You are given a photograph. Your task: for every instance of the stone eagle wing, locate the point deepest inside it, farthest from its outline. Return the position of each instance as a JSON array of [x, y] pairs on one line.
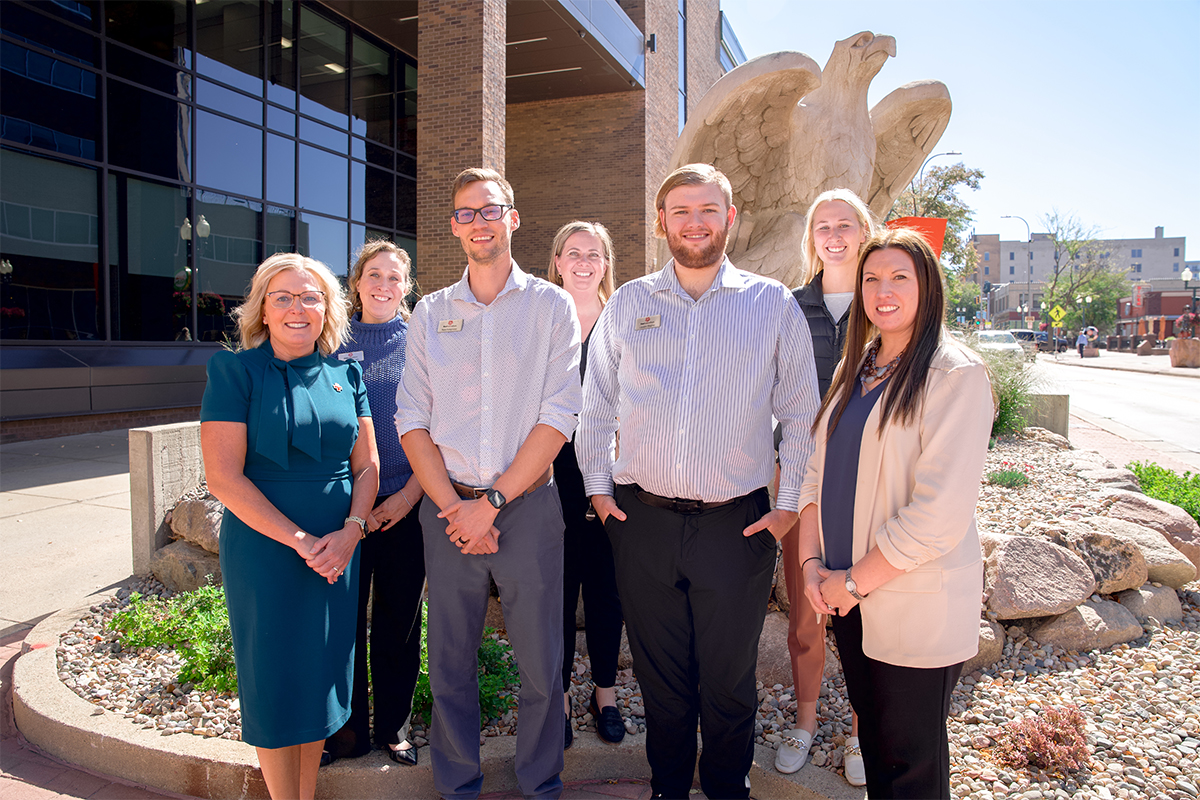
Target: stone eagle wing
[[908, 124]]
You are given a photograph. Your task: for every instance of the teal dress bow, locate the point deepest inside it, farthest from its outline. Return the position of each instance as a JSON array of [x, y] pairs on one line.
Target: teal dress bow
[[288, 413]]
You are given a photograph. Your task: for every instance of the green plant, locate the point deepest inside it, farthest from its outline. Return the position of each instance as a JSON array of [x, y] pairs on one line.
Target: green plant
[[1054, 741], [1009, 475], [1171, 487], [498, 676], [1012, 382], [195, 624]]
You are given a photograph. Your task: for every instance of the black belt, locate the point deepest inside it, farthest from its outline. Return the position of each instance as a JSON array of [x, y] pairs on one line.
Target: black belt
[[680, 505]]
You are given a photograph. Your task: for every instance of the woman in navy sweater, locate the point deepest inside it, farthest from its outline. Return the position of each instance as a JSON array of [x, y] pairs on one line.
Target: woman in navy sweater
[[392, 551]]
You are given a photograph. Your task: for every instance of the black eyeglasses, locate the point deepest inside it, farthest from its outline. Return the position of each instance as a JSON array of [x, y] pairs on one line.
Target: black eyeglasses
[[490, 213]]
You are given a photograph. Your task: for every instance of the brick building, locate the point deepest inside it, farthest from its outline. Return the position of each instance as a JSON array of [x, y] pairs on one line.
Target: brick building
[[153, 152]]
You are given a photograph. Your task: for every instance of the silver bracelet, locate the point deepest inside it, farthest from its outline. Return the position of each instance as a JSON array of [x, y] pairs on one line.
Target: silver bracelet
[[402, 494]]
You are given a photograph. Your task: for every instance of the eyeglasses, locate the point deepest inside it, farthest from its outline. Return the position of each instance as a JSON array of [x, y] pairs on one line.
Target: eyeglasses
[[591, 258], [490, 213], [284, 300]]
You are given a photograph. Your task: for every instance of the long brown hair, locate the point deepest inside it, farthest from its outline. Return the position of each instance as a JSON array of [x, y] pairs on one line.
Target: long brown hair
[[903, 395]]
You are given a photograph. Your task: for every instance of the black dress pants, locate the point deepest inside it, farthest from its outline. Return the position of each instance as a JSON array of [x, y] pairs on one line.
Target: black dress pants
[[394, 561], [902, 715], [694, 592]]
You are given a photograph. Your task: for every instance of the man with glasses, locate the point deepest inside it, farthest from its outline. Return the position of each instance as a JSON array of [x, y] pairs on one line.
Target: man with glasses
[[489, 395]]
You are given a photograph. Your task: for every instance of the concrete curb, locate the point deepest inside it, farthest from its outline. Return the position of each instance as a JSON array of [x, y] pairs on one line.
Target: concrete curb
[[1149, 369], [69, 728]]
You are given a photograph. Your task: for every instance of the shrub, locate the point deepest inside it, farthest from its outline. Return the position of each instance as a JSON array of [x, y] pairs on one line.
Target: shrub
[[1054, 741], [195, 624], [1171, 487], [1012, 381], [1009, 475]]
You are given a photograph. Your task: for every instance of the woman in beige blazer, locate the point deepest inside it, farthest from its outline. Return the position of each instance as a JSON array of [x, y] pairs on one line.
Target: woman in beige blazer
[[887, 514]]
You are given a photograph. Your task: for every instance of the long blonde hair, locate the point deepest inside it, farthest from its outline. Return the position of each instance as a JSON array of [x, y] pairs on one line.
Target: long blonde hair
[[812, 262], [249, 314], [605, 289], [372, 248]]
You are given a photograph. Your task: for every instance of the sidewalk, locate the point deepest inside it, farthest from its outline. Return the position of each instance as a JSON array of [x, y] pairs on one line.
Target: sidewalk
[[1126, 362]]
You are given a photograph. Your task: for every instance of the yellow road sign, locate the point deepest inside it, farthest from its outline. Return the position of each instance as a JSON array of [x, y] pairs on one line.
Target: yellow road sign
[[1057, 313]]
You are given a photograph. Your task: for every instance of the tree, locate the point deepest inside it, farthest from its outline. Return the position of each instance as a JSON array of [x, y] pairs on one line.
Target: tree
[[1081, 267], [936, 194], [961, 293]]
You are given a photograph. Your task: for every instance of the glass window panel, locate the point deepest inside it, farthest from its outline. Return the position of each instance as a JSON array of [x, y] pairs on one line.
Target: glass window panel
[[406, 112], [162, 145], [281, 52], [85, 13], [49, 248], [225, 261], [229, 43], [46, 32], [278, 228], [358, 148], [379, 156], [48, 103], [280, 120], [157, 27], [323, 135], [377, 195], [323, 179], [150, 283], [232, 103], [371, 83], [358, 190], [147, 71], [281, 170], [406, 204], [322, 54], [406, 164], [325, 240], [228, 155]]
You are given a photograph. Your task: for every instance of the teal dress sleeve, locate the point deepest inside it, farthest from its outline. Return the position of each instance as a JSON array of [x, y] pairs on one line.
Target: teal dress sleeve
[[227, 394], [361, 403]]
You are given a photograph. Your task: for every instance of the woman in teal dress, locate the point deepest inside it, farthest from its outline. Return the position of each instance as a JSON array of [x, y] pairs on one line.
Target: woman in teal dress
[[290, 450]]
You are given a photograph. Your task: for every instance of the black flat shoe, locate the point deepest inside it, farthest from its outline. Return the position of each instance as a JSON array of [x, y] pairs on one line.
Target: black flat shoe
[[609, 725], [327, 758], [406, 757], [568, 733]]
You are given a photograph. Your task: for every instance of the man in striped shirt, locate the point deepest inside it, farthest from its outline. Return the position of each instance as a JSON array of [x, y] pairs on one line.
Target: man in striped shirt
[[692, 363]]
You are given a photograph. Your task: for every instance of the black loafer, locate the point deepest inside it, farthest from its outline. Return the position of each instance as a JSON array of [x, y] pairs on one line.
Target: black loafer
[[609, 725], [327, 758], [568, 733], [407, 757]]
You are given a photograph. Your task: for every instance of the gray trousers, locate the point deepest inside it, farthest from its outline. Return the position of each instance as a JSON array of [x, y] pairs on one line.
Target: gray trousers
[[528, 570]]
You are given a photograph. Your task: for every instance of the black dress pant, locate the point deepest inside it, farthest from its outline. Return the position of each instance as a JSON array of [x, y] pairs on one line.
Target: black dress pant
[[394, 561], [587, 561], [694, 592], [902, 715]]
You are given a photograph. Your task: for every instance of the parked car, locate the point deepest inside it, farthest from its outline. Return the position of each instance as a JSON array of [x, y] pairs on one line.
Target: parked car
[[1028, 341], [1000, 342], [958, 335], [1059, 345]]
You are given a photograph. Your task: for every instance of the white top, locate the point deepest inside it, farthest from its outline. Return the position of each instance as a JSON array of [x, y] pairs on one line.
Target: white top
[[694, 384], [837, 303], [480, 377]]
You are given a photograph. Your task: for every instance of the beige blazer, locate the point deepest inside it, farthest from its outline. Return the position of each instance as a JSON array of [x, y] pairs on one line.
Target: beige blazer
[[915, 500]]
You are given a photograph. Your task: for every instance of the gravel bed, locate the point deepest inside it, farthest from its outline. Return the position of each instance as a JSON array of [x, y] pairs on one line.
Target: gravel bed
[[1141, 700]]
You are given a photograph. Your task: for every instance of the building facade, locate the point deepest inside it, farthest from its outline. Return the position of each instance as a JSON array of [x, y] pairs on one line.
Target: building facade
[[153, 152]]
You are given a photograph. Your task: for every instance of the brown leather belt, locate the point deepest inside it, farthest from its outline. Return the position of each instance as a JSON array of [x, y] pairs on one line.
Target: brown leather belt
[[678, 504], [472, 493]]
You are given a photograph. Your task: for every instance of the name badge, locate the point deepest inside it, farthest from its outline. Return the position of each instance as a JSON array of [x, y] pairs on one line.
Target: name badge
[[642, 323], [450, 325], [353, 355]]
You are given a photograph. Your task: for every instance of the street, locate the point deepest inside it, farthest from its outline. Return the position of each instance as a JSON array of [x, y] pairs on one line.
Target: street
[[1159, 411]]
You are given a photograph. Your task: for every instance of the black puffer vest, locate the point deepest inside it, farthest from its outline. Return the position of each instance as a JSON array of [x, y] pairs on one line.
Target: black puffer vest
[[828, 337]]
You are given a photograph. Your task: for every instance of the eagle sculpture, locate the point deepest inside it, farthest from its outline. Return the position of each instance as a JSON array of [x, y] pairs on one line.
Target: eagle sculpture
[[784, 130]]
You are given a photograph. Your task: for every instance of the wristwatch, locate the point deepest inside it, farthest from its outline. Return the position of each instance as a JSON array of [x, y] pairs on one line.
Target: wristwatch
[[852, 588], [495, 498]]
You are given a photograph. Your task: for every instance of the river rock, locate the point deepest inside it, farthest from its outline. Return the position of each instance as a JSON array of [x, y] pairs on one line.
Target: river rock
[[1185, 352], [1031, 577], [991, 647], [183, 567], [1116, 564], [199, 522], [1048, 437], [1170, 520], [1164, 564], [1088, 626], [774, 663], [1115, 477], [1088, 459], [1159, 602]]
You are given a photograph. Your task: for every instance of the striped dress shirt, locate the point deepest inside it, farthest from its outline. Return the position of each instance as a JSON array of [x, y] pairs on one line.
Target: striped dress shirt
[[480, 377], [693, 385]]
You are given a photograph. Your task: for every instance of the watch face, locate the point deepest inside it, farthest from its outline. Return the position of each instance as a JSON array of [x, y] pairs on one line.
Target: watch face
[[495, 498]]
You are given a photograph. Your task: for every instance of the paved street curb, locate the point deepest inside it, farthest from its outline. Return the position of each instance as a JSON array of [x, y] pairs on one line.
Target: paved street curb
[[1148, 369], [69, 728]]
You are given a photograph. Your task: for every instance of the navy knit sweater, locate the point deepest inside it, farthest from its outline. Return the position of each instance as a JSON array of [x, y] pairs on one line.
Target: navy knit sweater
[[382, 348]]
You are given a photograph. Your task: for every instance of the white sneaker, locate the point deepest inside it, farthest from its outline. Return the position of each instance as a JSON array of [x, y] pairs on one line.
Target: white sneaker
[[793, 751], [856, 772]]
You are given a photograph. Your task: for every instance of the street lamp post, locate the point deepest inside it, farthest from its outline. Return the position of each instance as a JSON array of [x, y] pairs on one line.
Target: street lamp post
[[1187, 281], [1084, 302], [1029, 261], [921, 179]]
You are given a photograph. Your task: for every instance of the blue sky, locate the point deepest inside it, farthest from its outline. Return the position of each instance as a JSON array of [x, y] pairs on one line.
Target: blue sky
[[1091, 108]]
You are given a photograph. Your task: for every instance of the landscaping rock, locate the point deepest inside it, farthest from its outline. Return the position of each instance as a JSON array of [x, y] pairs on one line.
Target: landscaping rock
[[199, 521], [1157, 602], [988, 541], [774, 663], [1171, 521], [1088, 626], [1116, 564], [1031, 577], [1164, 564], [1048, 437], [1116, 477], [991, 647], [183, 567], [1088, 459], [780, 587], [1185, 353]]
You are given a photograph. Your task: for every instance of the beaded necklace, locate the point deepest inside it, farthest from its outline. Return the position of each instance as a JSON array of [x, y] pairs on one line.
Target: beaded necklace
[[871, 373]]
